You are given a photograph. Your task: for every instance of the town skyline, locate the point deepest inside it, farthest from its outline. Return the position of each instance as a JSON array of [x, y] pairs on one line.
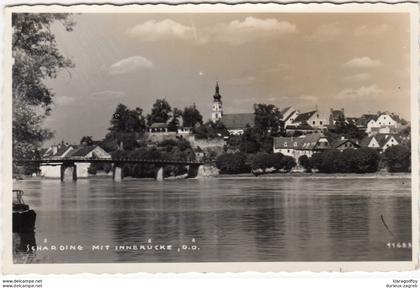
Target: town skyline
[[141, 58]]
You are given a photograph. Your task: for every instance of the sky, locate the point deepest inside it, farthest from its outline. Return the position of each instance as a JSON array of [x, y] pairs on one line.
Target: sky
[[359, 62]]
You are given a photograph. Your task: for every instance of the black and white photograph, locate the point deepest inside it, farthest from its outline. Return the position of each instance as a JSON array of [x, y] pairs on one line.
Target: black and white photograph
[[230, 136]]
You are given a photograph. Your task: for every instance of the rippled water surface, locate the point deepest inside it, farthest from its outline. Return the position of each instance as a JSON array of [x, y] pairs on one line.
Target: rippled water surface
[[221, 219]]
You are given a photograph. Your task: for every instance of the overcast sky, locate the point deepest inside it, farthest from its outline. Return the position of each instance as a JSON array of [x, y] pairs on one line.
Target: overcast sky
[[356, 61]]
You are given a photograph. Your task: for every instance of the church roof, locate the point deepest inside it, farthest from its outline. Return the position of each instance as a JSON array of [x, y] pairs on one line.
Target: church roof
[[304, 116], [238, 120]]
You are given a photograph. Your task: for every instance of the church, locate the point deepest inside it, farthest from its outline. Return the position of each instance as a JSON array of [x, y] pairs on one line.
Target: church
[[234, 123]]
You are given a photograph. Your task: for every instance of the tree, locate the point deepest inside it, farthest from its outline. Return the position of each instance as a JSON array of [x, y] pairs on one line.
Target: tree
[[305, 163], [210, 130], [127, 127], [288, 162], [346, 130], [86, 140], [36, 58], [267, 118], [127, 121], [160, 113], [232, 163], [191, 116], [397, 158], [174, 123], [250, 140], [367, 160]]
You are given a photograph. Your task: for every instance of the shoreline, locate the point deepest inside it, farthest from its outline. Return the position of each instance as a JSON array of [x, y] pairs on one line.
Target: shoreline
[[251, 176]]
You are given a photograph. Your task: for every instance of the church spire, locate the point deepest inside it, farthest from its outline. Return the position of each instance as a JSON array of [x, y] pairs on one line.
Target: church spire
[[217, 96]]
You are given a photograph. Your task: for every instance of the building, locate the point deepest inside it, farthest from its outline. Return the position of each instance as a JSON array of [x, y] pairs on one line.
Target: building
[[383, 123], [184, 130], [344, 144], [289, 115], [237, 123], [217, 108], [312, 118], [381, 142], [158, 128], [81, 152], [302, 145], [336, 116]]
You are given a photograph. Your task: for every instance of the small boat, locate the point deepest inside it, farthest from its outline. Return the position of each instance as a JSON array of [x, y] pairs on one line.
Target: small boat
[[23, 217]]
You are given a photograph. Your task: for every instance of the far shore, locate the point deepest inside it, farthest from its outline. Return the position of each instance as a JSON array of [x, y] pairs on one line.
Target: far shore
[[378, 175]]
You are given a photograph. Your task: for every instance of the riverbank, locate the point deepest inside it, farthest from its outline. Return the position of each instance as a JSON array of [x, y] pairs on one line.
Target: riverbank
[[379, 175]]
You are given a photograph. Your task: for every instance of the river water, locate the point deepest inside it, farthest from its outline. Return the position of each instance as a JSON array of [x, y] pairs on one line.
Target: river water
[[225, 219]]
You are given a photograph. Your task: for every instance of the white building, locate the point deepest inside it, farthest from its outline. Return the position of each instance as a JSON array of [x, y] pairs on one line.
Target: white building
[[383, 124], [302, 145], [313, 118], [73, 152], [381, 142], [289, 115], [217, 108]]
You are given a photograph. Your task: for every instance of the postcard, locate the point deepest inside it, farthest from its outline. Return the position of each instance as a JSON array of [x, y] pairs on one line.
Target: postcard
[[210, 138]]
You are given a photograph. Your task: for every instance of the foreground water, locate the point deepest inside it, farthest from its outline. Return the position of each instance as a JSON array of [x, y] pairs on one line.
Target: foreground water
[[219, 219]]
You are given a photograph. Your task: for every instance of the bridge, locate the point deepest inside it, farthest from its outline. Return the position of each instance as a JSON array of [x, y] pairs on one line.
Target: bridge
[[68, 165]]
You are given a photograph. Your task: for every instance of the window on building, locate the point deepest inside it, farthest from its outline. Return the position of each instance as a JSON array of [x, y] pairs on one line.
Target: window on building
[[320, 122], [313, 122]]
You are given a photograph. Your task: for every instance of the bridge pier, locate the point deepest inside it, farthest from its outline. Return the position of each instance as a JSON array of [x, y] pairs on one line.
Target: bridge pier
[[67, 172], [193, 171], [117, 173], [159, 174]]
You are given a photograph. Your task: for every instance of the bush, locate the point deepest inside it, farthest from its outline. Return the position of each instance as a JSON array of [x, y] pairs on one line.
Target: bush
[[305, 163], [287, 163], [397, 158], [232, 163], [363, 160], [262, 161]]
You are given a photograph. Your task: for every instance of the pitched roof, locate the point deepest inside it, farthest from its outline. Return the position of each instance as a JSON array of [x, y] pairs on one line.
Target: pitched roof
[[159, 125], [337, 143], [304, 116], [238, 121], [382, 139], [284, 110], [304, 142], [365, 141], [81, 151], [365, 118]]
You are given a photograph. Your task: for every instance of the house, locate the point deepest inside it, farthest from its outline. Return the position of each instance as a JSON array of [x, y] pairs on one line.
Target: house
[[236, 123], [289, 115], [81, 152], [343, 144], [57, 151], [385, 123], [158, 128], [380, 142], [302, 145], [336, 116], [312, 118], [184, 130]]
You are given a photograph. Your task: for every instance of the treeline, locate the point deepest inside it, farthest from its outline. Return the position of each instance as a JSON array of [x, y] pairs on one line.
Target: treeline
[[363, 160], [259, 163]]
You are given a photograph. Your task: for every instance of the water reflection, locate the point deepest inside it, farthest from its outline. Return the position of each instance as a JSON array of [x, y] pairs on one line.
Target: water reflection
[[287, 219]]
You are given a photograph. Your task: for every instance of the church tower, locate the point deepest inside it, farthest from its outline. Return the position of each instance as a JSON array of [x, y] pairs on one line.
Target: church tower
[[217, 110]]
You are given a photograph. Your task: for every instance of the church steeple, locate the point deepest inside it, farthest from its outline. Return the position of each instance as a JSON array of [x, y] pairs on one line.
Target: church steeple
[[217, 110], [217, 96]]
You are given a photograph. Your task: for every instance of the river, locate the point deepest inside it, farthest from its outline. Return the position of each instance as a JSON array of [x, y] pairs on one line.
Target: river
[[224, 219]]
